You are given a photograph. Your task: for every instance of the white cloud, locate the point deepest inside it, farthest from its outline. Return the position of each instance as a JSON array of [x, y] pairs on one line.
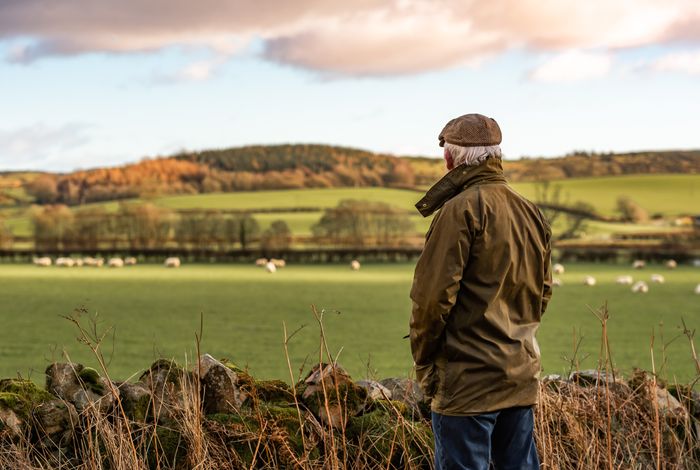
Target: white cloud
[[39, 145], [362, 37], [573, 66], [683, 62]]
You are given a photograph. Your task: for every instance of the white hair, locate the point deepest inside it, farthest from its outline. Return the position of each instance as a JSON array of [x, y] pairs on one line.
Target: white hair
[[472, 156]]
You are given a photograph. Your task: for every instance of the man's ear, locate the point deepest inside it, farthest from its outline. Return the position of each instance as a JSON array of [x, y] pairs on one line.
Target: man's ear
[[449, 161]]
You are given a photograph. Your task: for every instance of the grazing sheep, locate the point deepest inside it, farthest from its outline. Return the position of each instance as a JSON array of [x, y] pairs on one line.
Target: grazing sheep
[[355, 265], [270, 267], [639, 264], [172, 262], [99, 262], [558, 269], [65, 262], [43, 262], [640, 287], [261, 262], [79, 262], [626, 280], [279, 263], [556, 282], [658, 278], [130, 261], [697, 289], [671, 264], [115, 263], [589, 281]]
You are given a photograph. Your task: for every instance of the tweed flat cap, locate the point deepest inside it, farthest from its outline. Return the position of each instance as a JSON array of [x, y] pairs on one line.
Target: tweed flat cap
[[471, 130]]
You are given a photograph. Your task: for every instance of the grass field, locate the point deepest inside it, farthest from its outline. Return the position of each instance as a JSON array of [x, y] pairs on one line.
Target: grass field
[[155, 312]]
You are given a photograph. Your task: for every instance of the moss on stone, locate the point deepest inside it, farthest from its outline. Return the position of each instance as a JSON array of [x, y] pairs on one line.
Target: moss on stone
[[91, 379], [276, 391], [22, 396], [171, 448], [11, 401]]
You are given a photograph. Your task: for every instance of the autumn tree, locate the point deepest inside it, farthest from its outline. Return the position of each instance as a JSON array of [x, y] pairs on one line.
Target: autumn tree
[[53, 227], [276, 237], [630, 211], [43, 189]]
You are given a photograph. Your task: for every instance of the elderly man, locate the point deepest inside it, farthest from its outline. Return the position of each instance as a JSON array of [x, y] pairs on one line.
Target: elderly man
[[480, 288]]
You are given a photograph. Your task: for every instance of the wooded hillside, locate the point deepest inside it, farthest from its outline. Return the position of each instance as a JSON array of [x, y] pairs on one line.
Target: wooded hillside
[[317, 166]]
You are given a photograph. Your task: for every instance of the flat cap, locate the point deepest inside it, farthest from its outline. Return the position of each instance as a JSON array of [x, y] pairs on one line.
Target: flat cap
[[471, 130]]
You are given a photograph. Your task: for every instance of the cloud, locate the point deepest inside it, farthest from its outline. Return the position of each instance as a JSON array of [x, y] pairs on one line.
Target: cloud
[[362, 37], [39, 145], [573, 66], [683, 62]]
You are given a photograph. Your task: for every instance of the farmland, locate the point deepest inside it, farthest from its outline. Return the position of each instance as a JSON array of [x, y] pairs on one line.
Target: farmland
[[155, 312]]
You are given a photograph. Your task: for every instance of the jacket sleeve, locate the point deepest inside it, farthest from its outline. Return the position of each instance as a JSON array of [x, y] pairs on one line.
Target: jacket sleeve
[[547, 290], [436, 281]]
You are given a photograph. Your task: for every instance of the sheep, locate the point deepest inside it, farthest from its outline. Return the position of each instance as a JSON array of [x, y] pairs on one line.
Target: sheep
[[639, 264], [558, 269], [640, 287], [115, 263], [99, 262], [279, 263], [556, 282], [270, 267], [43, 262], [589, 281], [355, 265], [697, 289], [65, 262], [625, 280], [261, 262], [671, 264], [657, 278], [79, 262], [172, 262], [130, 261]]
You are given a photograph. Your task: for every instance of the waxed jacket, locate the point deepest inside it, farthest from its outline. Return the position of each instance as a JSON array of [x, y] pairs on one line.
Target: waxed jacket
[[480, 288]]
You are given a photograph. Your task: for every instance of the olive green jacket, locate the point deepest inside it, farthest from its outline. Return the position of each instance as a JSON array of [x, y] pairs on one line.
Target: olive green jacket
[[480, 288]]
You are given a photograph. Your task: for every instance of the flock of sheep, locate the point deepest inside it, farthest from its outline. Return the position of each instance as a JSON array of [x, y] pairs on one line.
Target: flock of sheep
[[272, 265], [115, 262], [639, 287]]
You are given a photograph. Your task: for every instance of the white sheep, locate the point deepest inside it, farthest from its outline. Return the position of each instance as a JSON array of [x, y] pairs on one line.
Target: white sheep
[[130, 261], [558, 269], [78, 262], [115, 263], [640, 287], [261, 262], [589, 281], [556, 282], [625, 280], [43, 262], [64, 262], [279, 263], [99, 262], [639, 264], [355, 265], [671, 264], [697, 289], [172, 262], [657, 278], [270, 267]]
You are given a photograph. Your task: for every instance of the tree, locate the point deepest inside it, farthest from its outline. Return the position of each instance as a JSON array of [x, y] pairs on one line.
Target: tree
[[5, 235], [44, 189], [53, 227], [630, 211], [360, 223], [277, 236], [145, 225], [247, 229]]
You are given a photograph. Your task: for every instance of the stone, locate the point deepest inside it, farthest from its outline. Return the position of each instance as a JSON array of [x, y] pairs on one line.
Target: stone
[[375, 390], [409, 392], [220, 387], [10, 421], [81, 386], [330, 394], [669, 407], [164, 381], [55, 422], [136, 400]]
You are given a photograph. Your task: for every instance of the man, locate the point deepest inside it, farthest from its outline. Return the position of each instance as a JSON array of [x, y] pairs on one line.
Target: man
[[480, 288]]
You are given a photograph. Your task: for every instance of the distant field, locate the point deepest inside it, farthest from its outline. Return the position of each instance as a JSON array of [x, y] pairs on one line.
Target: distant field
[[664, 194], [155, 312]]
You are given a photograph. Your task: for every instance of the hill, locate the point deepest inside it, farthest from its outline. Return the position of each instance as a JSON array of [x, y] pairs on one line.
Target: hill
[[255, 168]]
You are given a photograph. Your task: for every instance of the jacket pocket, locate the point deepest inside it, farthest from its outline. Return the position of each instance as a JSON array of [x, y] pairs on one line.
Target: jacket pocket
[[428, 379]]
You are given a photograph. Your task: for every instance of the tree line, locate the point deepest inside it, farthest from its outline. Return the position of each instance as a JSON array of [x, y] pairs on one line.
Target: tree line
[[57, 227]]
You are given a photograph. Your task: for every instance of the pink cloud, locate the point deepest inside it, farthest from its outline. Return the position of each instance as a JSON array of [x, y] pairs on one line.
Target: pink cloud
[[362, 37]]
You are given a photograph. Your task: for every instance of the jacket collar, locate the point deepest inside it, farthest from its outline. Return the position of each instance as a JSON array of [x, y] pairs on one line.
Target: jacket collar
[[458, 179]]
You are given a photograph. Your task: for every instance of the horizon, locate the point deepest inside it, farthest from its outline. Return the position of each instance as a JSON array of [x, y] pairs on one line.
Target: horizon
[[106, 86]]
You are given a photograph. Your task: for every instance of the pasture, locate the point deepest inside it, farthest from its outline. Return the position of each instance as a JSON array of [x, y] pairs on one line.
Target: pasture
[[155, 312]]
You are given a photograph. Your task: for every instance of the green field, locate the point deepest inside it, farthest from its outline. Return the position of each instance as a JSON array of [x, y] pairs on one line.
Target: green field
[[155, 312], [665, 194]]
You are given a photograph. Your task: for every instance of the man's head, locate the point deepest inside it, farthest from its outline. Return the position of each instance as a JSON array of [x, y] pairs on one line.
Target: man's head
[[470, 139]]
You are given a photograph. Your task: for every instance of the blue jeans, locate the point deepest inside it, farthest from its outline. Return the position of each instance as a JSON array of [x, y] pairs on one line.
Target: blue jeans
[[503, 438]]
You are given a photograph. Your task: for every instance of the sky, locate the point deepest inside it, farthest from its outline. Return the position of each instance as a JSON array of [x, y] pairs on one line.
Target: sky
[[89, 83]]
